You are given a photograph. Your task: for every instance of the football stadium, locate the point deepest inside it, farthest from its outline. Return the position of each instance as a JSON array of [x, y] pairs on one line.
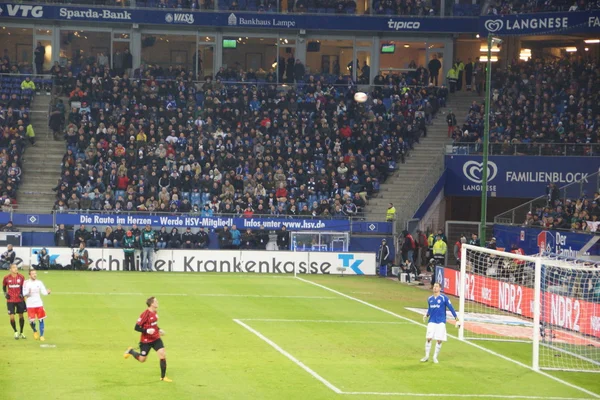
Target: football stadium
[[300, 199]]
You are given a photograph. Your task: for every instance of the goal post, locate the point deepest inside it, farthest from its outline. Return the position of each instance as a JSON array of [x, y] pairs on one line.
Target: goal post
[[550, 307]]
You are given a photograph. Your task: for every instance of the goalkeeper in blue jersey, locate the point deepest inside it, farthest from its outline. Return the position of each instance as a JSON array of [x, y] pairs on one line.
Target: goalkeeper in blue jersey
[[436, 328]]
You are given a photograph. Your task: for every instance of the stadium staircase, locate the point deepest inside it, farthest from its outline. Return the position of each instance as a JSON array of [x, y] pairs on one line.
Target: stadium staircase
[[41, 163], [410, 184]]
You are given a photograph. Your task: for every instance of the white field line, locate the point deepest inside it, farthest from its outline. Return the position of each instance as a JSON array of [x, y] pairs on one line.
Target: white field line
[[388, 394], [260, 296], [588, 392], [324, 321], [289, 356], [475, 396]]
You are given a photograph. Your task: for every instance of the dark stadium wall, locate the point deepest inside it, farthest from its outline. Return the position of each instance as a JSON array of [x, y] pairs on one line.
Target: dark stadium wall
[[469, 208]]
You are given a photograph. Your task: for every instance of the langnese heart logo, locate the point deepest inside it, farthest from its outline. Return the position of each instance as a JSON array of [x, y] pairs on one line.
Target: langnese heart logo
[[493, 25], [473, 171]]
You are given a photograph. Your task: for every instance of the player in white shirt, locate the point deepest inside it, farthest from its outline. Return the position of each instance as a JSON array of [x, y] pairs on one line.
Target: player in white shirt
[[436, 328], [32, 291]]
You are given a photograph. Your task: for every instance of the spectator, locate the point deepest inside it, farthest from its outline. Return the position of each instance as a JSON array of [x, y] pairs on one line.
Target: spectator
[[27, 84], [174, 239], [262, 238], [38, 56], [408, 246], [203, 240], [8, 257], [474, 240], [9, 227], [236, 237], [94, 238], [451, 121], [390, 214], [81, 236], [434, 67], [162, 238], [439, 250], [384, 258], [61, 237], [458, 247], [188, 239], [225, 239], [283, 239]]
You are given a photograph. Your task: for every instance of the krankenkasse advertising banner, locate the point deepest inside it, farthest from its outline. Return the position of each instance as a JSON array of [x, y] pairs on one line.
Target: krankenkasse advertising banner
[[518, 176], [221, 261]]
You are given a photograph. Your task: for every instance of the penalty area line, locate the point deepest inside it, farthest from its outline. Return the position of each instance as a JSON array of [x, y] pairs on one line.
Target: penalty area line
[[324, 321], [554, 378], [258, 296], [288, 356]]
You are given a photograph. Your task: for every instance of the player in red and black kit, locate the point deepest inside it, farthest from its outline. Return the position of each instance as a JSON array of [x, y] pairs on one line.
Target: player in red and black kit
[[12, 286], [147, 324]]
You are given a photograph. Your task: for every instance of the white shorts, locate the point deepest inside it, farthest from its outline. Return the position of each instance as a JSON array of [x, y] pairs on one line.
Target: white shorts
[[436, 331]]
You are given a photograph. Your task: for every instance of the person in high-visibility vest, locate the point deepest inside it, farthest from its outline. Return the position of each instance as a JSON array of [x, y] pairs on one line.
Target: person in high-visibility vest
[[439, 250], [390, 214], [452, 76]]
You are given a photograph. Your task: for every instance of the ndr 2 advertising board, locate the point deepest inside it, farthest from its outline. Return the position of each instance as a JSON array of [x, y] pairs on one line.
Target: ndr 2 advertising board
[[517, 176], [559, 310], [232, 261]]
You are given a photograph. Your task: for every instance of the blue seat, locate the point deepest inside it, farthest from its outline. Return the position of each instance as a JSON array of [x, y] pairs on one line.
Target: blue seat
[[387, 102], [196, 198]]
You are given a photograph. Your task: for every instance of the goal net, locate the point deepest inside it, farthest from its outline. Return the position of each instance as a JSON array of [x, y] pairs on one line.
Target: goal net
[[548, 305]]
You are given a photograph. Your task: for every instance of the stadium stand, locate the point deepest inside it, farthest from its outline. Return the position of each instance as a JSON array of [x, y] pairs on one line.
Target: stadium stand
[[166, 143], [578, 215], [17, 93], [540, 107]]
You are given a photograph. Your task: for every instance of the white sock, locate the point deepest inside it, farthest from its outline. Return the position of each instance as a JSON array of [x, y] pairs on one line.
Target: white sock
[[438, 347], [427, 349]]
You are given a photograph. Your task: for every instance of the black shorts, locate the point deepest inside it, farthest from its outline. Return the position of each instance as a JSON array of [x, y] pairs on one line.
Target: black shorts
[[156, 345], [16, 308]]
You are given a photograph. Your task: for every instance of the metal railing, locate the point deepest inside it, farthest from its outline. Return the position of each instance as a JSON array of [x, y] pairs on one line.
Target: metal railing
[[528, 149], [220, 215], [572, 191]]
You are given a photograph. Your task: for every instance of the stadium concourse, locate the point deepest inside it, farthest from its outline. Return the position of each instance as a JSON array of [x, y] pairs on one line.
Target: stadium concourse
[[163, 142]]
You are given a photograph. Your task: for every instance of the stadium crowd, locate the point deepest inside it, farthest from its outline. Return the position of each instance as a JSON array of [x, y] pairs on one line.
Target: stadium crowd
[[504, 7], [580, 215], [16, 96], [538, 107], [162, 142]]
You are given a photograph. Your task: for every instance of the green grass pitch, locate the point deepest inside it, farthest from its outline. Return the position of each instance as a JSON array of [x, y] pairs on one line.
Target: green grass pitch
[[256, 337]]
